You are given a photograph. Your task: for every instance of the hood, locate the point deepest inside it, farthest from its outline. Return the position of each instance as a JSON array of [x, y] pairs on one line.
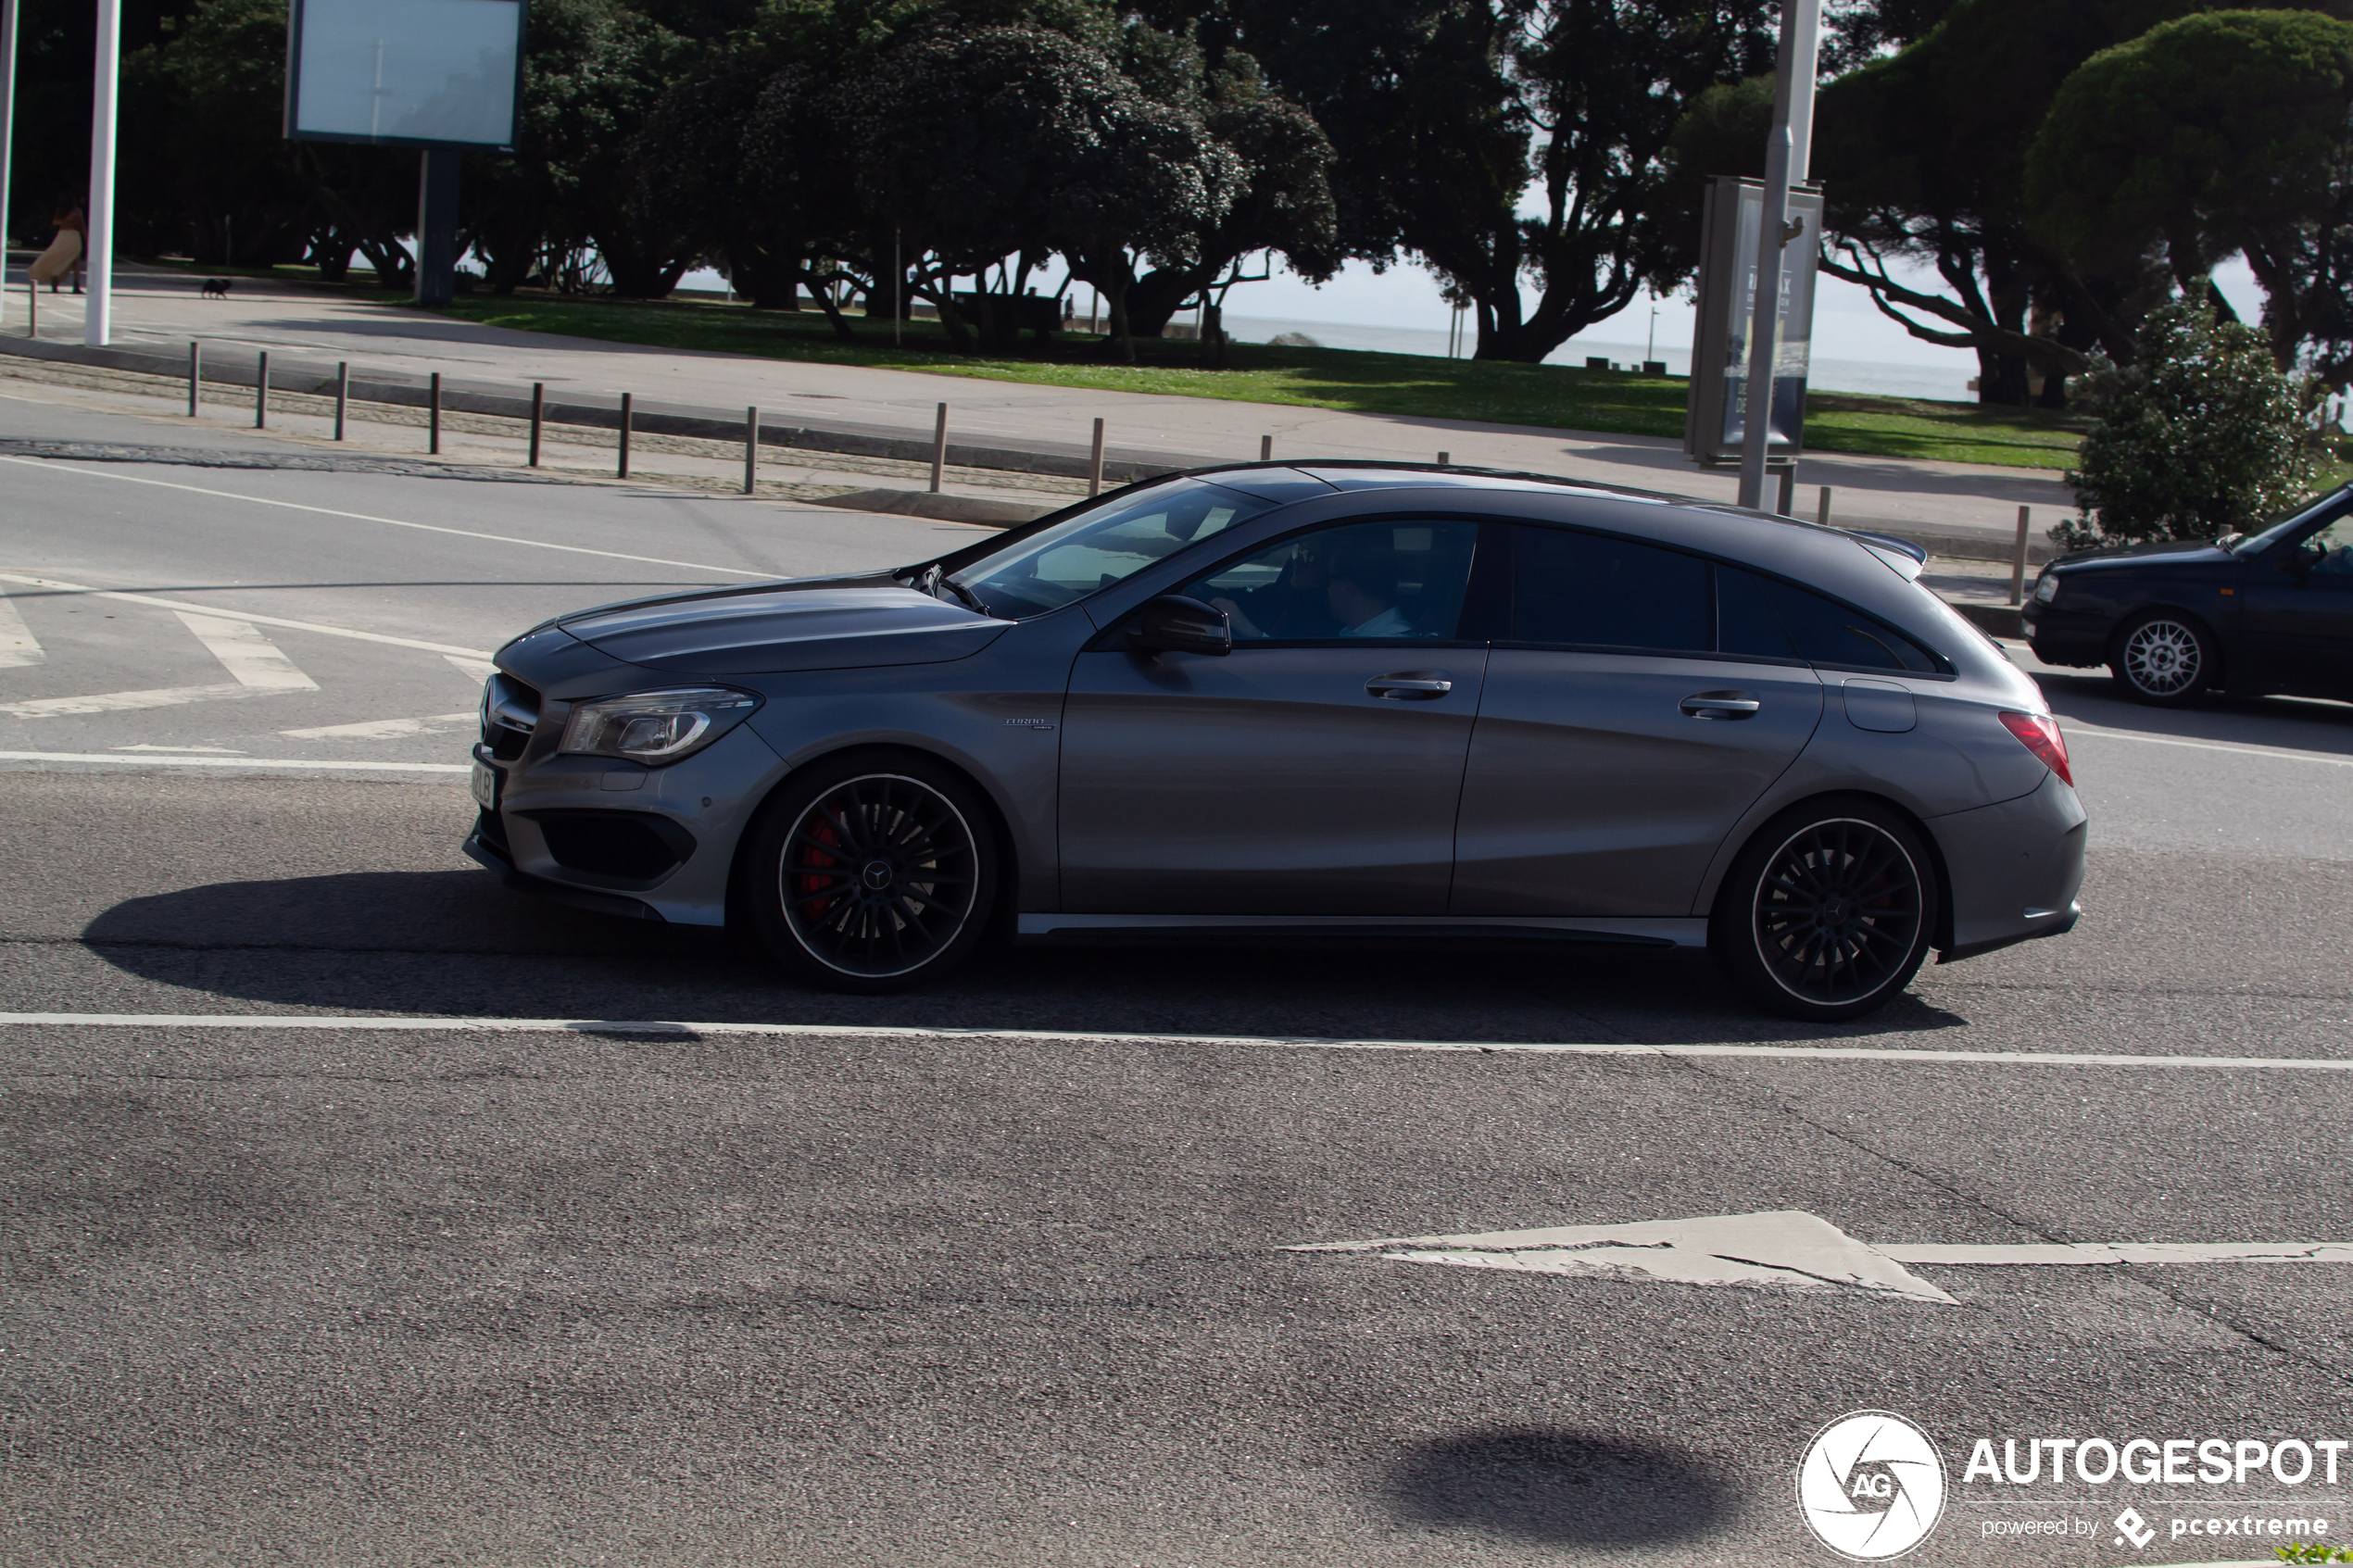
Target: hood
[[738, 632], [2205, 550]]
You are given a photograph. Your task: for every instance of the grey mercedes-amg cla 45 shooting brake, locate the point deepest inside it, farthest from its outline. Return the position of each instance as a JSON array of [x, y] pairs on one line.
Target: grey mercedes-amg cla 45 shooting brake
[[1344, 699]]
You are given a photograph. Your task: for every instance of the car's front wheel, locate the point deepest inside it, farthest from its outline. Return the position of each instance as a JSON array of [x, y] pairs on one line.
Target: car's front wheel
[[1829, 911], [2163, 658], [872, 874]]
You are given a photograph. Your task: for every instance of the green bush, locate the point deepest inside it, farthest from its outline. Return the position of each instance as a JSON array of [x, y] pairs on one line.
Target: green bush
[[2200, 436]]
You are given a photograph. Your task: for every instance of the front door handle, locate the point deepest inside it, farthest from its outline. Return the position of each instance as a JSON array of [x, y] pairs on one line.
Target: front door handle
[[1721, 705], [1410, 688]]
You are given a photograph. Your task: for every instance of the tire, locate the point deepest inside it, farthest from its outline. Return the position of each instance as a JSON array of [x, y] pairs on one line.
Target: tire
[[2164, 658], [874, 872], [1829, 912]]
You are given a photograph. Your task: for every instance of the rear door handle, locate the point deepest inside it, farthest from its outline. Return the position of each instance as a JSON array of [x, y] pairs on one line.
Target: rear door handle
[[1721, 705], [1409, 688]]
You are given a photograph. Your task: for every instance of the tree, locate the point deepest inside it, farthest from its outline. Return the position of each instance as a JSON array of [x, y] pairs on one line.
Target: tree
[[593, 72], [2211, 135], [2200, 436], [1020, 140]]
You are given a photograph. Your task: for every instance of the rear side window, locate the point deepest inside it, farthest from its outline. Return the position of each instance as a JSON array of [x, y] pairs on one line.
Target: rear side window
[[1595, 591], [1746, 626], [1826, 632]]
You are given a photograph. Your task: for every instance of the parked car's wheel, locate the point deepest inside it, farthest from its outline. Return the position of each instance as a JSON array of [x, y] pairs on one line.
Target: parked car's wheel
[[1829, 911], [2163, 656], [873, 874]]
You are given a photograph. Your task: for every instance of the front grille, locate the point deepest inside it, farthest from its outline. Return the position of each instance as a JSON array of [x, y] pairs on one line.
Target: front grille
[[510, 712], [624, 846]]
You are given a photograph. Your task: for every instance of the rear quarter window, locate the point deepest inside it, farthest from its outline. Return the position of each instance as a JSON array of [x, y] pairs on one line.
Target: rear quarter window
[[1825, 632]]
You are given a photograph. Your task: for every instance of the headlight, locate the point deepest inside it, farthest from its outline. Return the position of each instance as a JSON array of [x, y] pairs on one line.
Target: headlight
[[2046, 587], [656, 727]]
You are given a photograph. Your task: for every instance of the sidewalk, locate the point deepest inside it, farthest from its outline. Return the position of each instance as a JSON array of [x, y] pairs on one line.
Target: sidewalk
[[161, 312]]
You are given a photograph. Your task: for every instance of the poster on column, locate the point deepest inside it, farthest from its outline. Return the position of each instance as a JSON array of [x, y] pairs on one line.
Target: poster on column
[[407, 73], [1716, 421]]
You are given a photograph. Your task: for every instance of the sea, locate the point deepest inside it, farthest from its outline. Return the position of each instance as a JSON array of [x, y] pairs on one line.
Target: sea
[[1885, 378]]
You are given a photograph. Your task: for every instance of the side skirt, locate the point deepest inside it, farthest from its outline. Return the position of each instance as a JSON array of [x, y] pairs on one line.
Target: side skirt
[[1638, 933]]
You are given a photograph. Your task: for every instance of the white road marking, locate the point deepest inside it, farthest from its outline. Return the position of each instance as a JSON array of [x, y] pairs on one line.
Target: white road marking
[[1788, 1247], [126, 702], [275, 764], [52, 465], [387, 729], [253, 658], [473, 669], [1791, 1249], [2280, 753], [669, 1028], [2128, 1252], [18, 645], [53, 585], [216, 750]]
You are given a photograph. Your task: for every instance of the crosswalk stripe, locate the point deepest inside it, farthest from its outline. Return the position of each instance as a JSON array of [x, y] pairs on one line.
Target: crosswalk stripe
[[53, 585], [385, 729], [17, 644], [123, 702], [253, 658]]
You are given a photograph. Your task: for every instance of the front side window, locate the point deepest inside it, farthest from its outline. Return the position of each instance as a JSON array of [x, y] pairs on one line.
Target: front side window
[[1093, 549], [1363, 581], [2329, 553]]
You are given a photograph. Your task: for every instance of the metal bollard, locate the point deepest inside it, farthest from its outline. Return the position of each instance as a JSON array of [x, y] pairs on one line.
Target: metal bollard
[[938, 448], [1822, 512], [32, 311], [1446, 459], [261, 392], [2017, 556], [1789, 491], [343, 394], [1095, 463], [751, 449], [626, 406], [196, 375], [433, 418], [538, 414], [1265, 448]]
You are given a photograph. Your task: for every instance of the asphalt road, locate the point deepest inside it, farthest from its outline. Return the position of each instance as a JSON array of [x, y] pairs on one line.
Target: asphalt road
[[888, 1287]]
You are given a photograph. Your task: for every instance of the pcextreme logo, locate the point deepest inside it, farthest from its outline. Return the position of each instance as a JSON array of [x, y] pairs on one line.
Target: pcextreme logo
[[1871, 1486]]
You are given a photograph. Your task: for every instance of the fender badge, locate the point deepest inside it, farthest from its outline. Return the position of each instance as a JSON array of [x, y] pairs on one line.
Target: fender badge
[[1027, 724]]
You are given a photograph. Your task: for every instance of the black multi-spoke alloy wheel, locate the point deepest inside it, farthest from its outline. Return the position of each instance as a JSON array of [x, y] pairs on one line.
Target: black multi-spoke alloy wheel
[[1829, 911], [2163, 656], [873, 874]]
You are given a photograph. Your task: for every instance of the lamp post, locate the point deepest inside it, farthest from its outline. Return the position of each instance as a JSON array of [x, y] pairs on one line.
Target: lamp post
[[98, 215], [7, 125], [1786, 155]]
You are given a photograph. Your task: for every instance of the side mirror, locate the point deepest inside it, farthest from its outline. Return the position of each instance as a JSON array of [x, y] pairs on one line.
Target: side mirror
[[1173, 623]]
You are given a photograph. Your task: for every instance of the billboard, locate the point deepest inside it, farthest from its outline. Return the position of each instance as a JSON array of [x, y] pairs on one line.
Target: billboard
[[407, 73], [1714, 421]]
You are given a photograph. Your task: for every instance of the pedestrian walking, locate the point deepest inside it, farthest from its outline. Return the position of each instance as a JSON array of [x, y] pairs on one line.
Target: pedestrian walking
[[64, 253]]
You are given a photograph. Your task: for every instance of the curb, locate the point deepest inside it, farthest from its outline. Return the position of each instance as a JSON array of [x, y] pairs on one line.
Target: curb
[[947, 509], [2000, 621], [864, 441]]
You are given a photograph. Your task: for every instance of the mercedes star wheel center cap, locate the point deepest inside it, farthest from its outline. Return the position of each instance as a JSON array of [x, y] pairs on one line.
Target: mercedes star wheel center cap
[[876, 875]]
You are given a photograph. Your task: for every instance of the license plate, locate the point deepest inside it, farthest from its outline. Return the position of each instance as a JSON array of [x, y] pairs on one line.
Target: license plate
[[484, 782]]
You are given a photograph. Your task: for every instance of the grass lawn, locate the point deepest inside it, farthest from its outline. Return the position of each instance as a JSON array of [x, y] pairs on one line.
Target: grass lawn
[[1551, 396]]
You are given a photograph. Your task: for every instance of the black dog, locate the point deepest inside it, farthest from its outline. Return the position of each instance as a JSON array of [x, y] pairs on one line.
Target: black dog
[[216, 288]]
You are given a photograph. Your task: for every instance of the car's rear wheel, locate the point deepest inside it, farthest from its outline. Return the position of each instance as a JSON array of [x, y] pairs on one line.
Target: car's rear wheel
[[1828, 913], [2163, 658], [874, 874]]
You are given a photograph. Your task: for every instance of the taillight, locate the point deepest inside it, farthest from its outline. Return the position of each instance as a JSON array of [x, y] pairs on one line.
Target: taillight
[[2039, 732]]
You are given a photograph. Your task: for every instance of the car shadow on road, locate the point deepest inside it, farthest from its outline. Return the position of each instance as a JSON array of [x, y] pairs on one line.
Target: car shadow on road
[[459, 942], [1557, 1488]]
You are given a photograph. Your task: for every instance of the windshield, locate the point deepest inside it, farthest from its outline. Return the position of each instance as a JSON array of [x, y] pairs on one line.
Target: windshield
[[1102, 547], [1089, 552], [2306, 512]]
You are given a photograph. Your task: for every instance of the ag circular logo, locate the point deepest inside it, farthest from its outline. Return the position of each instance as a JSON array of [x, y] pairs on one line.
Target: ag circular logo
[[1872, 1485]]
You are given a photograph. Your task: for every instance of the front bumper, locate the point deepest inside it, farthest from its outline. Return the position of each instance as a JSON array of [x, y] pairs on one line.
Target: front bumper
[[646, 843], [2015, 868], [2066, 637]]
